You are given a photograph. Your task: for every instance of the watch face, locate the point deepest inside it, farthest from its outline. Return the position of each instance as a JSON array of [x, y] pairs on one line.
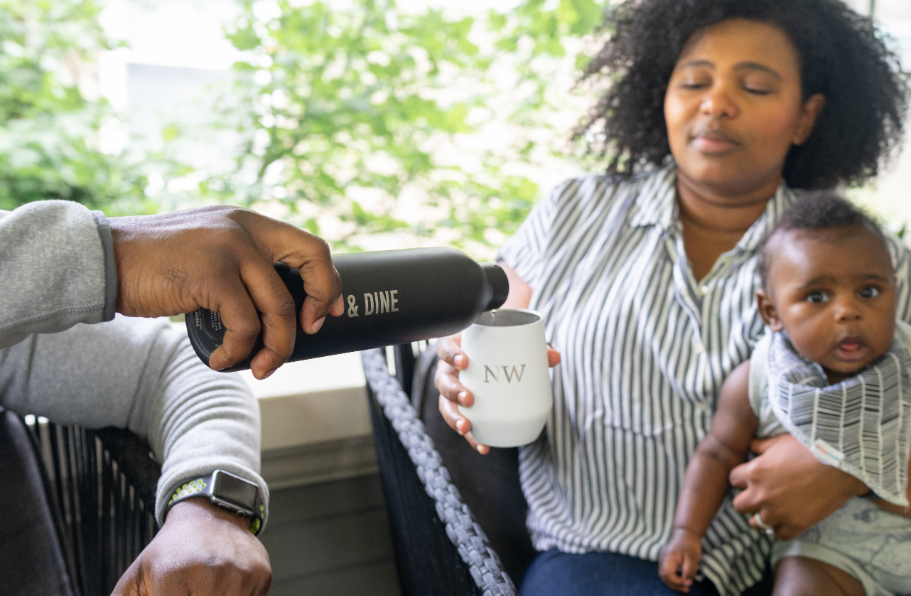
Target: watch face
[[234, 489]]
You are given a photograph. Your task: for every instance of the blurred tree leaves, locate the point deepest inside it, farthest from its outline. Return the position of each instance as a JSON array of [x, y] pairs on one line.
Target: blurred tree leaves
[[355, 119], [50, 116], [363, 119]]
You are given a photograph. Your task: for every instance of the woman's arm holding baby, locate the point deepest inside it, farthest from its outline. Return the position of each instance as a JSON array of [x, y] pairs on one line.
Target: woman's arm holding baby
[[706, 483], [790, 488], [892, 507]]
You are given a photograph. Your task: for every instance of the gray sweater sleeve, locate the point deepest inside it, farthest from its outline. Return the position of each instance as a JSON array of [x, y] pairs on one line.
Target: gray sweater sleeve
[[56, 269], [138, 374]]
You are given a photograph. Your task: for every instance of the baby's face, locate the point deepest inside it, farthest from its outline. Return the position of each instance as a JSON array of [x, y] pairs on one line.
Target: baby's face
[[833, 291]]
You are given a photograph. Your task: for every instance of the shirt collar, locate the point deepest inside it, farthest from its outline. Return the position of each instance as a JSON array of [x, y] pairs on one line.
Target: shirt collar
[[657, 206]]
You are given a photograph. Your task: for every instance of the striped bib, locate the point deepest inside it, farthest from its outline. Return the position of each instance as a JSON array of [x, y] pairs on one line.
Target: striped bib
[[861, 426]]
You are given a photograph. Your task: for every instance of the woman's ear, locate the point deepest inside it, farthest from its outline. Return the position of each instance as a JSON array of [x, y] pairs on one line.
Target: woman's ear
[[767, 311], [809, 114]]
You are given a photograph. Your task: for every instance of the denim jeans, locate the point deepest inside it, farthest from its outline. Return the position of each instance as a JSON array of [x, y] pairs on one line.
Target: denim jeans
[[605, 574]]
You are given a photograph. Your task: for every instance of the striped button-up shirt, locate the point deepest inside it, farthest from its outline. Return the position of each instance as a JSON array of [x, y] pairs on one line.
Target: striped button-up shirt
[[645, 348]]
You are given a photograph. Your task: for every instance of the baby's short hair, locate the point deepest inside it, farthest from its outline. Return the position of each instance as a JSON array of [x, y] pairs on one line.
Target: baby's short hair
[[821, 211]]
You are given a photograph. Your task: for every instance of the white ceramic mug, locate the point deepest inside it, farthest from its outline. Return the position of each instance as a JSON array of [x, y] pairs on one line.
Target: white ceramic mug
[[508, 375]]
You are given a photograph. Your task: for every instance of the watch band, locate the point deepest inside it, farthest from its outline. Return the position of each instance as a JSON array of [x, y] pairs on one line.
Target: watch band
[[227, 491]]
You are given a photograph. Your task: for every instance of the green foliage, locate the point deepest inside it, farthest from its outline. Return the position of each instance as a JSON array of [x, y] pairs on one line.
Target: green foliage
[[49, 128], [364, 120]]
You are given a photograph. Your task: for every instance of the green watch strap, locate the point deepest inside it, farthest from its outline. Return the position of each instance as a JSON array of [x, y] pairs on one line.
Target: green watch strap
[[204, 487]]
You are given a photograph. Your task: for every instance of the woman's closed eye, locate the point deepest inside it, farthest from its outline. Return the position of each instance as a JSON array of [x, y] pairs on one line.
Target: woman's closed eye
[[695, 83], [756, 90]]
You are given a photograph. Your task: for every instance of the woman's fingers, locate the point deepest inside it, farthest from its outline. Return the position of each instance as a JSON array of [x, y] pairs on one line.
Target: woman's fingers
[[460, 424], [452, 393], [553, 356], [449, 348], [447, 383]]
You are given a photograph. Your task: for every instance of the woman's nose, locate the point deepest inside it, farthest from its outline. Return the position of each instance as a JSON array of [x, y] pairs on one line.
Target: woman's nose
[[717, 102]]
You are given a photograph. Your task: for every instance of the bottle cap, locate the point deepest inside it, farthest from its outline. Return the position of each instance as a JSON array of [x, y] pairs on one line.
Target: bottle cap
[[499, 285]]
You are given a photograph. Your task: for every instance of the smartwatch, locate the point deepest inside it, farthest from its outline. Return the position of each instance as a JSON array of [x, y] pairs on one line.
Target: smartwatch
[[227, 491]]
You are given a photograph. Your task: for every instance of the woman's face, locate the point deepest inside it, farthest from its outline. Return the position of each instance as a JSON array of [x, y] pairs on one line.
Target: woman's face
[[734, 107]]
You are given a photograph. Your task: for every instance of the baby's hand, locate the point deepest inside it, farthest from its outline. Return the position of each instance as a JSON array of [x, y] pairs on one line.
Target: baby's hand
[[679, 560]]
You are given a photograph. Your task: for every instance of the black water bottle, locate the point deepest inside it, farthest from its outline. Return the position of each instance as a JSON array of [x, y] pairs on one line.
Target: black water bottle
[[391, 297]]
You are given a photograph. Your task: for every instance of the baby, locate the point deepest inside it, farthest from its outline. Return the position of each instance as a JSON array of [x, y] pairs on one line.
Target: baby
[[834, 371]]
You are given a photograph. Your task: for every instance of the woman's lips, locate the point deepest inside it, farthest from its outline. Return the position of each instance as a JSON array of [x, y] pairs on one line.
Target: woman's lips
[[714, 142]]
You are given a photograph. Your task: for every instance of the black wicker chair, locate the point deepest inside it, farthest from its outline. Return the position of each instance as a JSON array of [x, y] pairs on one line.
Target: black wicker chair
[[440, 547], [84, 502]]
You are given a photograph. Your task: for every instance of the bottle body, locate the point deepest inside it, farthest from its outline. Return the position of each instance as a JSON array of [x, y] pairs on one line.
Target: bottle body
[[391, 297]]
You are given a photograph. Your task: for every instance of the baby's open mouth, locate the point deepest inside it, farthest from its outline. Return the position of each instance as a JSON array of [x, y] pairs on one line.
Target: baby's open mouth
[[851, 346]]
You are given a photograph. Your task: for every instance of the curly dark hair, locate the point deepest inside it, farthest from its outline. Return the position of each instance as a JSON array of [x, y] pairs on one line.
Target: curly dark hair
[[842, 57], [816, 211]]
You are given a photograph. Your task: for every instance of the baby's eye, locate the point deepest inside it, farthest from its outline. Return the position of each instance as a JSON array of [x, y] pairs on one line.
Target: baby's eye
[[869, 292], [817, 297]]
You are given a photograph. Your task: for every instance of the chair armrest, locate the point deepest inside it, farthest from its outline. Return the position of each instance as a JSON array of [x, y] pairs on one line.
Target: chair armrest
[[439, 547]]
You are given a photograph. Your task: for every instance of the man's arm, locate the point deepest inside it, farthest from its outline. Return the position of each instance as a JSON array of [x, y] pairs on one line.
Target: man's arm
[[222, 258], [142, 375], [61, 264], [53, 270]]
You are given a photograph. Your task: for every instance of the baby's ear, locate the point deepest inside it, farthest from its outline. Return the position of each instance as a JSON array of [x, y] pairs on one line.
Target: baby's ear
[[767, 311]]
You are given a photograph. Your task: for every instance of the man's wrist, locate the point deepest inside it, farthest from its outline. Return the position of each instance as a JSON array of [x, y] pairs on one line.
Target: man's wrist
[[235, 494], [198, 507]]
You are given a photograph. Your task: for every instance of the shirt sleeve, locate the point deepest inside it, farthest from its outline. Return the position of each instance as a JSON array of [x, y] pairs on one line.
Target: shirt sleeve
[[524, 251], [143, 375], [56, 269]]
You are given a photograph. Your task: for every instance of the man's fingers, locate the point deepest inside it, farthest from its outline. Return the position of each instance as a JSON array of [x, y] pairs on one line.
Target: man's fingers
[[338, 309], [321, 297], [241, 322], [310, 254], [278, 311]]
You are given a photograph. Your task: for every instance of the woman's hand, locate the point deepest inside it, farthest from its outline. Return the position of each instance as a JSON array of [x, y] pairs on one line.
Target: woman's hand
[[789, 488], [453, 393]]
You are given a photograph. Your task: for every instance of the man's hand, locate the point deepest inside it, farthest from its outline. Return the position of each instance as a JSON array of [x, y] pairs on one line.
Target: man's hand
[[201, 550], [789, 487], [222, 258]]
